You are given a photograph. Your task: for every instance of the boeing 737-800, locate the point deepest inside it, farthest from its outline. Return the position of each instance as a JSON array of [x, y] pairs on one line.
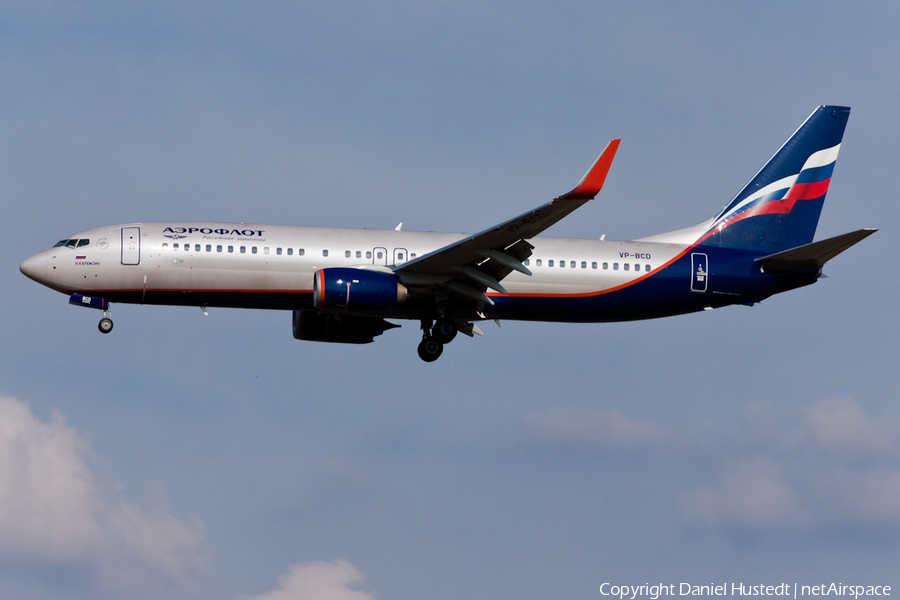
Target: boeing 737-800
[[342, 284]]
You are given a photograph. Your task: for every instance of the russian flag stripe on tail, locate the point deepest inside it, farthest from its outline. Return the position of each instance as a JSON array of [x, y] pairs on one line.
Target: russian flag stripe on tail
[[779, 208]]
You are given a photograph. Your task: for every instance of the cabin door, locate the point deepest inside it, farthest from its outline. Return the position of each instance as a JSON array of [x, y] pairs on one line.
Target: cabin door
[[131, 245], [380, 256]]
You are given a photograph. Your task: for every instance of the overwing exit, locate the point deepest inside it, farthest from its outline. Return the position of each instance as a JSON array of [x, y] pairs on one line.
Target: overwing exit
[[341, 285]]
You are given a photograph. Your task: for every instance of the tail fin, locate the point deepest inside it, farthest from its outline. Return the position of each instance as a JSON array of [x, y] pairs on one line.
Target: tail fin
[[780, 207]]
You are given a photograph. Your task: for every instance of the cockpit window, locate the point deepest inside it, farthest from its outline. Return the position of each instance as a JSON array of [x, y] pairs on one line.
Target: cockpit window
[[72, 243]]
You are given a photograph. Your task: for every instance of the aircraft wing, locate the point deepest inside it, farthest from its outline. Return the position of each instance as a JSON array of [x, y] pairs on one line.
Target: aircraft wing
[[480, 261]]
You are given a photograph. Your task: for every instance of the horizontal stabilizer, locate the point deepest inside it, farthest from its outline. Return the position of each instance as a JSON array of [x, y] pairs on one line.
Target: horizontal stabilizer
[[812, 256]]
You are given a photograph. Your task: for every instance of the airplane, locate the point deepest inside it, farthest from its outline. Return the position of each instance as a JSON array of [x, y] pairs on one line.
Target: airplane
[[342, 285]]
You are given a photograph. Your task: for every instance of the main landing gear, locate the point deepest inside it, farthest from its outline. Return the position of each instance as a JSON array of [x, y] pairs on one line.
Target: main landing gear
[[434, 338]]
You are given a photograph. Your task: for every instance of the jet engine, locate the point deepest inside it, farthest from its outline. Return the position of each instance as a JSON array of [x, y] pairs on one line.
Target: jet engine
[[346, 290], [342, 329]]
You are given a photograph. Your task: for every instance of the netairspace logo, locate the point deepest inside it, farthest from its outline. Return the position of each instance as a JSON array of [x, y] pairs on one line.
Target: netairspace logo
[[654, 592]]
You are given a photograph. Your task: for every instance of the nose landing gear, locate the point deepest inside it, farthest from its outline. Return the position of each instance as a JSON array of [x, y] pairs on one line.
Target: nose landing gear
[[105, 325]]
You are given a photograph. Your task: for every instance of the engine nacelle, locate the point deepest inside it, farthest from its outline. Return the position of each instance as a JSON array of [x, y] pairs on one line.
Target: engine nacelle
[[314, 326], [345, 290]]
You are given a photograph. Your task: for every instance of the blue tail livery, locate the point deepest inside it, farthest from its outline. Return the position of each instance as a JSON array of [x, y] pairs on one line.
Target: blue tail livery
[[780, 207], [341, 285]]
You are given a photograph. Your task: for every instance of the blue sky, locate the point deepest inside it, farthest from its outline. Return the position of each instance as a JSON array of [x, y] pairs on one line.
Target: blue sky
[[197, 457]]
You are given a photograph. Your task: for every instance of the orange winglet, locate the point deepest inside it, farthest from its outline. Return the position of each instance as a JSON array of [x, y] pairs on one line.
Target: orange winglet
[[593, 180]]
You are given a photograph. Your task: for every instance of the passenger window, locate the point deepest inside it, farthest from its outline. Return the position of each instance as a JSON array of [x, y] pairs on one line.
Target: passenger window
[[218, 248], [231, 248], [175, 246], [86, 242], [399, 256], [538, 262], [324, 252], [413, 255], [637, 267], [196, 247], [626, 266], [358, 254], [593, 265], [584, 264], [549, 263], [300, 251], [266, 250], [278, 251], [647, 268], [368, 254], [209, 247], [346, 254], [379, 256], [253, 249], [527, 262], [243, 249], [615, 266], [165, 245]]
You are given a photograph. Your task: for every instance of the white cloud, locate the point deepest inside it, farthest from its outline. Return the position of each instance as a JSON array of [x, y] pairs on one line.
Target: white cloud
[[840, 466], [319, 580], [750, 492], [54, 511], [841, 425], [609, 428]]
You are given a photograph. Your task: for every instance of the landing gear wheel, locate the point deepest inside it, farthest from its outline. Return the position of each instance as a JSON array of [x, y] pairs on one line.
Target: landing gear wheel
[[430, 349], [105, 325], [444, 331]]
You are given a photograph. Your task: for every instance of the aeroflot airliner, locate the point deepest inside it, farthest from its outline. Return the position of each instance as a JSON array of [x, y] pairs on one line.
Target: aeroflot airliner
[[342, 284]]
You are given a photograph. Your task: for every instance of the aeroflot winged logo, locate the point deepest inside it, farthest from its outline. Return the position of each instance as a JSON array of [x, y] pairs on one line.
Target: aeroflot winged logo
[[209, 231]]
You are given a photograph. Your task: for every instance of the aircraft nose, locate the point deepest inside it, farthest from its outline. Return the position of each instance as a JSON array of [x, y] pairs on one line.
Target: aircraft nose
[[35, 267]]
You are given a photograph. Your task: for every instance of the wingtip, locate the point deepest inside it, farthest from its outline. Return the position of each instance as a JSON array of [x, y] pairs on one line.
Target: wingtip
[[592, 182]]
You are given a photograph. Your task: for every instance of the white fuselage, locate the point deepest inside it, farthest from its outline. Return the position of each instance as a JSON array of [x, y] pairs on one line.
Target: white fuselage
[[193, 257]]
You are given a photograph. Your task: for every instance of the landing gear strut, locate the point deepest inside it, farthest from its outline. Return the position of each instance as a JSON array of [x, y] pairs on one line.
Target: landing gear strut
[[429, 349], [434, 336], [105, 325]]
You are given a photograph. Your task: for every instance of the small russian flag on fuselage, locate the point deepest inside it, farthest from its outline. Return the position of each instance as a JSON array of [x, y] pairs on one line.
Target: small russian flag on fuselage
[[81, 257]]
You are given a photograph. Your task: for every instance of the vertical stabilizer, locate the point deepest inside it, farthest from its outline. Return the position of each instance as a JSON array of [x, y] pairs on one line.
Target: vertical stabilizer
[[780, 207]]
